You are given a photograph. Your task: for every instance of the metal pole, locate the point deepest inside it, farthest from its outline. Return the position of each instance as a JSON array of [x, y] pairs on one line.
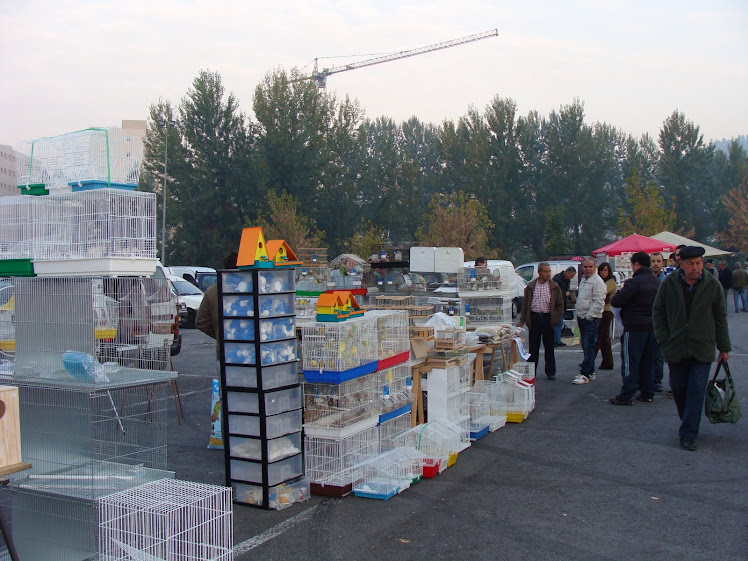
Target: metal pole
[[163, 207]]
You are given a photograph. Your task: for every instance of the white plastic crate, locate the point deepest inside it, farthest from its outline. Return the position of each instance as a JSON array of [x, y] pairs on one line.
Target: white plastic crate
[[329, 460], [106, 154], [343, 404], [168, 520], [338, 346]]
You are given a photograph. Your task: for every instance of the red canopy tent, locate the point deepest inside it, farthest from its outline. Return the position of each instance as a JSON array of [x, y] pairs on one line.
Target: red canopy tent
[[634, 243]]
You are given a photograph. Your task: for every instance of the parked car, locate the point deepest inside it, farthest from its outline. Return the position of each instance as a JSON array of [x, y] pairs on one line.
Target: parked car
[[190, 298], [529, 271]]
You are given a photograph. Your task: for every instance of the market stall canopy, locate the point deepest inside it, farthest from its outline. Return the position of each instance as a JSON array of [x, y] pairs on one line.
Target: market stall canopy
[[709, 251], [634, 243]]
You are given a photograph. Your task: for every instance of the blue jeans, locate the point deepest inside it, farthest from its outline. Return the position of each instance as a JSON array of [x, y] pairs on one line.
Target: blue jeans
[[638, 352], [557, 332], [739, 295], [688, 380], [659, 368], [588, 339]]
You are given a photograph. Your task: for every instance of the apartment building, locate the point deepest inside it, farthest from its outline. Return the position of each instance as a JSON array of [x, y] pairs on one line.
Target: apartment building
[[8, 170]]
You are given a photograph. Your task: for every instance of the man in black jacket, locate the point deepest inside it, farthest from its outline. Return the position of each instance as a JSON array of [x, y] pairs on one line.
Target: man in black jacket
[[563, 280], [638, 345]]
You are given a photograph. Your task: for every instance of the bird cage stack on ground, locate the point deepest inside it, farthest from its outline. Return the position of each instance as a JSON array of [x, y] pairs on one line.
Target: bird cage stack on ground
[[98, 232], [519, 396], [448, 398], [386, 475], [148, 522], [86, 159], [261, 393], [435, 441], [494, 391]]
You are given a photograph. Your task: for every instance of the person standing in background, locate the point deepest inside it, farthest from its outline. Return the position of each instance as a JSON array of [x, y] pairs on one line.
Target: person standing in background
[[739, 284], [589, 310], [603, 331], [657, 261], [563, 280]]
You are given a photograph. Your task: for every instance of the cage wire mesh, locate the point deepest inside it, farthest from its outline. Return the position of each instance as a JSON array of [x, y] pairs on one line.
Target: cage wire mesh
[[329, 460], [389, 430], [392, 332], [311, 279], [480, 279], [100, 223], [168, 520], [526, 370], [106, 154], [384, 475], [431, 439], [487, 309], [339, 346], [87, 330], [494, 392], [395, 388], [86, 444], [341, 405], [519, 395]]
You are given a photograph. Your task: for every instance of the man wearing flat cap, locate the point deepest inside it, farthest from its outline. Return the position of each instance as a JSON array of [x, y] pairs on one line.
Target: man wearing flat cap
[[689, 319]]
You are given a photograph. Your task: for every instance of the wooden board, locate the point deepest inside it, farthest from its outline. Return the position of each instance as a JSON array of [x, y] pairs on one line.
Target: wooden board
[[10, 427]]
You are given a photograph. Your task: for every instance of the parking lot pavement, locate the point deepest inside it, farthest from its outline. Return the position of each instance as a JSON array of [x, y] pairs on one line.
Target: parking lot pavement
[[579, 479]]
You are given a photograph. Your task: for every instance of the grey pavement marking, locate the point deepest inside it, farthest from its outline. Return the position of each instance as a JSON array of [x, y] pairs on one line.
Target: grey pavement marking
[[275, 531]]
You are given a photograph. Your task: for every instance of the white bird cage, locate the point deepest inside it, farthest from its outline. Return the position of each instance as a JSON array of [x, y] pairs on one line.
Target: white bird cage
[[519, 396], [103, 224], [449, 338], [526, 370], [339, 346], [478, 279], [340, 405], [393, 344], [385, 475], [435, 441], [390, 429], [104, 155], [167, 520], [329, 459], [487, 309], [311, 279], [88, 331], [306, 308], [395, 388], [496, 402]]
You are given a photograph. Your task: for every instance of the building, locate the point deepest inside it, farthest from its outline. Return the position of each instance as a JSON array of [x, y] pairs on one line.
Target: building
[[8, 171]]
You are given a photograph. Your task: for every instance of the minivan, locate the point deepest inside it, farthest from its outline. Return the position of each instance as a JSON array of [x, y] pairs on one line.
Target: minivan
[[529, 271]]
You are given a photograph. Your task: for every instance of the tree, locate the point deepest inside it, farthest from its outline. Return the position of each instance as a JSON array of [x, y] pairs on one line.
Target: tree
[[457, 220], [368, 239], [557, 241], [283, 221], [736, 205], [648, 214]]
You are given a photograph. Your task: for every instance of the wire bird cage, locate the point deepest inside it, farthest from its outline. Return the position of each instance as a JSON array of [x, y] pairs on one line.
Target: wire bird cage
[[385, 475], [329, 459], [395, 388], [389, 430], [167, 520], [435, 441], [339, 346], [392, 334], [87, 331], [487, 309], [102, 223], [85, 444], [480, 278], [495, 395], [311, 279], [340, 405], [519, 396], [107, 155]]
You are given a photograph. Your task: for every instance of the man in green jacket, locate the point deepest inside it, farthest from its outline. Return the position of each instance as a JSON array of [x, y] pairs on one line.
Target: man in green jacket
[[689, 319]]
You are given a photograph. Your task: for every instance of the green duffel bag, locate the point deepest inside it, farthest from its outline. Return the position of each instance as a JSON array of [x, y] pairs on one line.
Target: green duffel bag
[[721, 404]]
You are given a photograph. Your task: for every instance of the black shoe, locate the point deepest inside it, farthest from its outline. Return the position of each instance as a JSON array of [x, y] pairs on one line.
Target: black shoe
[[618, 401], [604, 367], [551, 377], [658, 389], [688, 444], [561, 344], [640, 397]]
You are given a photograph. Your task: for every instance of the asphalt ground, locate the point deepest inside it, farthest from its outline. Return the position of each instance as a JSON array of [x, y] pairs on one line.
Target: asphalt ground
[[579, 479]]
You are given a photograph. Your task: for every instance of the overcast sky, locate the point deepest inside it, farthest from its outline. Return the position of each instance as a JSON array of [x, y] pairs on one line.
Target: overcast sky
[[70, 65]]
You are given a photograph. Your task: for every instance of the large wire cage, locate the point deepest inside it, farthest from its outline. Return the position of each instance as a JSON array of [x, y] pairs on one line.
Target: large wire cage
[[335, 406], [106, 154], [330, 460], [392, 333], [87, 331], [169, 520], [101, 223], [339, 346]]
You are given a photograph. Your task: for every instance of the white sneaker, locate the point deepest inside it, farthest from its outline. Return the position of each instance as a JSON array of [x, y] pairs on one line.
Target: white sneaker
[[580, 379], [591, 377]]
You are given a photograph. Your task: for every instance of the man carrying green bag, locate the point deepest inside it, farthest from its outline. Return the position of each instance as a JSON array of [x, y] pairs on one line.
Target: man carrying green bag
[[721, 405], [689, 319]]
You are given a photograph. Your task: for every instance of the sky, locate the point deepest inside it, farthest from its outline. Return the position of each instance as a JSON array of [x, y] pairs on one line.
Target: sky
[[69, 65]]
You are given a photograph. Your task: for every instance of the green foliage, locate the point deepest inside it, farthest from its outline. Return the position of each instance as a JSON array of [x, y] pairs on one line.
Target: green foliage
[[648, 214], [367, 240], [557, 241], [282, 220]]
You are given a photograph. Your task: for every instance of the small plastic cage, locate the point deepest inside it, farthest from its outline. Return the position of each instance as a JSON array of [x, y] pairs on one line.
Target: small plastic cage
[[395, 388], [306, 307], [87, 330], [487, 309], [519, 396], [87, 443], [104, 155], [392, 333], [480, 278], [97, 224], [433, 439], [343, 404], [385, 475], [449, 338], [526, 370], [494, 392], [329, 460], [339, 346], [389, 430], [167, 519]]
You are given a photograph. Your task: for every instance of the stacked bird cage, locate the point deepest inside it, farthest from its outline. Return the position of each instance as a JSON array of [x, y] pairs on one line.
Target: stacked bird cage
[[341, 405], [494, 391], [330, 459], [435, 441], [393, 344]]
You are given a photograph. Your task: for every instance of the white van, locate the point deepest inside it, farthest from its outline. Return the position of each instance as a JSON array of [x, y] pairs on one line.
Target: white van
[[529, 271]]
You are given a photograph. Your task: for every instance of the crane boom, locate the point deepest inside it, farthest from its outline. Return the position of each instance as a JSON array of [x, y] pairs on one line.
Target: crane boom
[[321, 76]]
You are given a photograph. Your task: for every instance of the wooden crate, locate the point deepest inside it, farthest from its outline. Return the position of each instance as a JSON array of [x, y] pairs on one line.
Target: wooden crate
[[422, 333], [10, 427]]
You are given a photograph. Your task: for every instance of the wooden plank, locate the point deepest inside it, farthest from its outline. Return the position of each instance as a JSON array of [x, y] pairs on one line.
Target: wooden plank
[[10, 427]]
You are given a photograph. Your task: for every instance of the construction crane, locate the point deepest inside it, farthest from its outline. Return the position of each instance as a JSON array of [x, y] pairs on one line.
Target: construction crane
[[320, 76]]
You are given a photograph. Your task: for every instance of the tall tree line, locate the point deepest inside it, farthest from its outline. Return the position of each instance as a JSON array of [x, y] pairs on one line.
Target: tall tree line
[[548, 184]]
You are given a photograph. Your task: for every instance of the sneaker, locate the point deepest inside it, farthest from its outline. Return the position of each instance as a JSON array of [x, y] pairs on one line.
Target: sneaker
[[591, 377], [618, 401], [640, 397], [580, 379], [688, 444]]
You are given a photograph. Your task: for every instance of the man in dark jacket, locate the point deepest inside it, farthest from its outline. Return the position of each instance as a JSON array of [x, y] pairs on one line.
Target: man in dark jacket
[[689, 318], [638, 345], [542, 308], [563, 280], [725, 277]]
